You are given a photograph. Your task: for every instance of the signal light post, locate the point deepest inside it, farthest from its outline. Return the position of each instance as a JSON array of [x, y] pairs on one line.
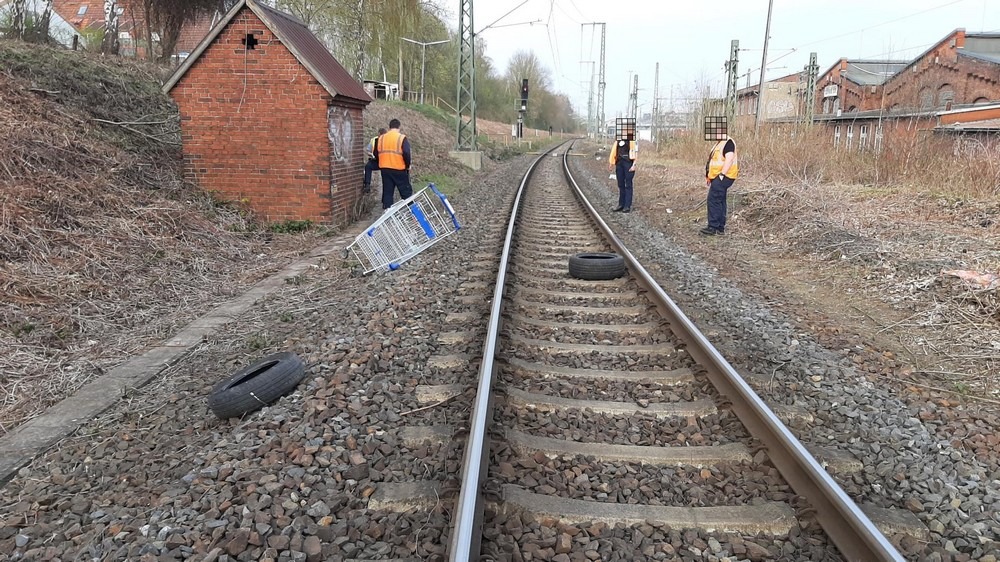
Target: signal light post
[[523, 109]]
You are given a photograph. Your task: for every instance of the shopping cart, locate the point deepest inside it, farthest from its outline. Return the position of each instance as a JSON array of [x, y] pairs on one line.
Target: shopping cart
[[404, 230]]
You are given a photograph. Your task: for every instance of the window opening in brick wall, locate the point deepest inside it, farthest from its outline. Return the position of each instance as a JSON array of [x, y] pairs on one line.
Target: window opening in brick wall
[[926, 98], [250, 41], [863, 138], [946, 95], [836, 136], [850, 137], [878, 138]]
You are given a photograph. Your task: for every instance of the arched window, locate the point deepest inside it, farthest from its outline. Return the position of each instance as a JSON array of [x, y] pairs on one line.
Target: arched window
[[981, 101], [945, 95], [926, 98]]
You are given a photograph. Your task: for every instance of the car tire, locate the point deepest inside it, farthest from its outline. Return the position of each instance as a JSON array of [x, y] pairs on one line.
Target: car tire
[[596, 266], [257, 385]]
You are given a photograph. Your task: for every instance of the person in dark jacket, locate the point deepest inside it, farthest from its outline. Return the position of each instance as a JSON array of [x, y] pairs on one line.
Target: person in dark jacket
[[392, 152], [372, 163], [721, 171], [622, 161]]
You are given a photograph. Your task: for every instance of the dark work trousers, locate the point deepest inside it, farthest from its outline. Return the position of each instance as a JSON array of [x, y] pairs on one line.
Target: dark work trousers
[[370, 167], [391, 179], [717, 202], [624, 182]]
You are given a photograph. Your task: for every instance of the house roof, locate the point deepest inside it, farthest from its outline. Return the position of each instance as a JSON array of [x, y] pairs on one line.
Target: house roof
[[295, 36], [982, 46], [986, 125], [868, 72], [70, 10], [872, 72]]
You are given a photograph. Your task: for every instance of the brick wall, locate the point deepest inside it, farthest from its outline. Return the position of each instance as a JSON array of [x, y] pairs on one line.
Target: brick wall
[[942, 76], [254, 125]]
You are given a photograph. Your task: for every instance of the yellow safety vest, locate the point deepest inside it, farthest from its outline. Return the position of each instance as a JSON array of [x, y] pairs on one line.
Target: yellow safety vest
[[718, 159], [633, 151], [371, 147], [390, 151]]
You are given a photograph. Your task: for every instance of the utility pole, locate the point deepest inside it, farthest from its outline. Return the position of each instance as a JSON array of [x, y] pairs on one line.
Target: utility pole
[[633, 101], [732, 80], [812, 74], [423, 60], [601, 83], [653, 131], [466, 98], [763, 68], [590, 98]]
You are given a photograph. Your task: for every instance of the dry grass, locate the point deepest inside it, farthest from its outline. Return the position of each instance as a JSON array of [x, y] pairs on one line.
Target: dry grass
[[882, 227], [104, 248]]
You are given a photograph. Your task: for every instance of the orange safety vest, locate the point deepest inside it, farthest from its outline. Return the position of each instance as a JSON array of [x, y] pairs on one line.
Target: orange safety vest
[[633, 151], [390, 151], [717, 160]]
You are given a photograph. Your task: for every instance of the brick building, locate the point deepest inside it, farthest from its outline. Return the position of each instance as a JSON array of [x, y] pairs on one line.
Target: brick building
[[864, 102], [270, 118], [782, 99], [854, 85]]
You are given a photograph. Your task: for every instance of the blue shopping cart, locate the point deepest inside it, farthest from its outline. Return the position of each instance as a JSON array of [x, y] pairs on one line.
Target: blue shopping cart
[[404, 230]]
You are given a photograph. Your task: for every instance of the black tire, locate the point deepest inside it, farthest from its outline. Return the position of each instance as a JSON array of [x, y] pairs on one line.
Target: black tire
[[257, 385], [596, 266]]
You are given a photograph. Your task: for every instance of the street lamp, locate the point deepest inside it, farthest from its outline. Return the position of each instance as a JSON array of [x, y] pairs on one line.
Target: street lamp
[[423, 58]]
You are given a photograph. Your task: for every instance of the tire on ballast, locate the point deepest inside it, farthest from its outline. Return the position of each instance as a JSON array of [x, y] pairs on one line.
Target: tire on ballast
[[596, 266], [257, 385]]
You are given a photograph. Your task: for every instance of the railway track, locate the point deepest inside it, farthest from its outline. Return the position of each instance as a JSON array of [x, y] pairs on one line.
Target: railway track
[[605, 423]]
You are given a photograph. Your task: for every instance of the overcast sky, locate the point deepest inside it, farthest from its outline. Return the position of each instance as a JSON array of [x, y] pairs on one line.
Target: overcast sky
[[691, 38]]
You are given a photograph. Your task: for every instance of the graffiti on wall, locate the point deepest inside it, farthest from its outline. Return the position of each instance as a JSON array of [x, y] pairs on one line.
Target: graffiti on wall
[[341, 133]]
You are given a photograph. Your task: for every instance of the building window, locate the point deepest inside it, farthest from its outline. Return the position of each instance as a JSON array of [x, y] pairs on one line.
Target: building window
[[836, 136], [878, 138], [850, 137], [82, 11], [863, 138], [946, 95], [926, 98]]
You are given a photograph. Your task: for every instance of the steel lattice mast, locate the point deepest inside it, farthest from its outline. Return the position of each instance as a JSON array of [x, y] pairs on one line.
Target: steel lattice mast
[[601, 126], [466, 98]]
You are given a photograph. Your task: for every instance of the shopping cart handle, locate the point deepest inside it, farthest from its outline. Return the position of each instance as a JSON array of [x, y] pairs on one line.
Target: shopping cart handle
[[447, 205]]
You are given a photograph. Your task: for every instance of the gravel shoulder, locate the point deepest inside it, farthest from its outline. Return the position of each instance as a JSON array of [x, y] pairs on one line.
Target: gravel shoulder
[[159, 477]]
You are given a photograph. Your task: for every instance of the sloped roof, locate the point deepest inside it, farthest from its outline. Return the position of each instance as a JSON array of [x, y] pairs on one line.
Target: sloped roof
[[982, 46], [297, 38], [872, 72]]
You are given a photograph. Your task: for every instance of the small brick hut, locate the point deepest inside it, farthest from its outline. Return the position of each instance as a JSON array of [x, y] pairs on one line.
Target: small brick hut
[[270, 118]]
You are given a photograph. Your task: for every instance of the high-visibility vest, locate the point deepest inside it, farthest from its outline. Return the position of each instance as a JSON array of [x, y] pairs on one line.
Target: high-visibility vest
[[718, 159], [371, 147], [390, 150], [633, 150]]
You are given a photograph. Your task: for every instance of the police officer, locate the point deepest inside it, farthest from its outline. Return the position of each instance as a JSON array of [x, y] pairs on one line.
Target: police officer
[[721, 171], [392, 152], [372, 163], [622, 161]]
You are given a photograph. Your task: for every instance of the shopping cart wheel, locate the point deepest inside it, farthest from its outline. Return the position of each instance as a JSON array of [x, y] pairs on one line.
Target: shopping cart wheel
[[596, 266], [257, 385]]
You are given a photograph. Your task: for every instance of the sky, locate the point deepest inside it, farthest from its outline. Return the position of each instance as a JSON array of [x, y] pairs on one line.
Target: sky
[[690, 39]]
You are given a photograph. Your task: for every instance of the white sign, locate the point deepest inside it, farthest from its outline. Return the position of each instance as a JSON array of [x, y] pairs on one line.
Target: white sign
[[830, 91]]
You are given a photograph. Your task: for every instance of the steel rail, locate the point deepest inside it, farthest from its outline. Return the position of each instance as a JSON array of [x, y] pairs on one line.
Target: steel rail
[[466, 533], [854, 534]]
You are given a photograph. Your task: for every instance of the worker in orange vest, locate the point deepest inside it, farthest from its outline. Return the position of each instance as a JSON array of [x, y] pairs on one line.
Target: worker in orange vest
[[721, 171], [372, 163], [622, 161], [392, 152]]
